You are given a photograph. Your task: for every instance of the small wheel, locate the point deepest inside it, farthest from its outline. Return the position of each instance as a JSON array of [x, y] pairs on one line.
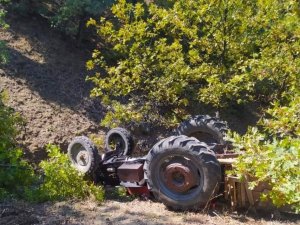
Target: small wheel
[[119, 140], [182, 172], [206, 129], [83, 155]]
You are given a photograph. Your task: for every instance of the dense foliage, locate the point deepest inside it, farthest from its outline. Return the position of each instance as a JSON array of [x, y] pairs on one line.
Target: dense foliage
[[273, 155], [177, 54]]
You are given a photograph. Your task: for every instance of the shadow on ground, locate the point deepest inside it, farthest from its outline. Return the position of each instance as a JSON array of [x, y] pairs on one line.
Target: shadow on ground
[[50, 65]]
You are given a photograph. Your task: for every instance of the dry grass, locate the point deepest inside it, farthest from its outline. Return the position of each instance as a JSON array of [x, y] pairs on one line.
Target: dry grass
[[113, 212]]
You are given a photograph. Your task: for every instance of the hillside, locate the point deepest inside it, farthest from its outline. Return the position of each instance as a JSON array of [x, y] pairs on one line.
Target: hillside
[[45, 82]]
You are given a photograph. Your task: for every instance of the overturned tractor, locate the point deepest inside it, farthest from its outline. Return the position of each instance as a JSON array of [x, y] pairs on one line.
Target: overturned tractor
[[184, 171]]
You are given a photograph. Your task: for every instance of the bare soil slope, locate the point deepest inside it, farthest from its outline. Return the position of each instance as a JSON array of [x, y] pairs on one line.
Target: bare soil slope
[[45, 81]]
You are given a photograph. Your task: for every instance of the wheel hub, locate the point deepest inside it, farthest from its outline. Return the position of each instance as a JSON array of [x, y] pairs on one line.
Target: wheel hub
[[82, 158], [179, 178]]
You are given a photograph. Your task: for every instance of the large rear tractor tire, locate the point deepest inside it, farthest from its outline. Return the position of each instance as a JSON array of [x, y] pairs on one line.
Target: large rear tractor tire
[[83, 155], [182, 173], [206, 129]]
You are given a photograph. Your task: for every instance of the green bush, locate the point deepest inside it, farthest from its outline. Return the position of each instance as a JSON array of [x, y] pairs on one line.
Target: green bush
[[273, 155], [72, 15], [163, 58], [16, 175], [3, 24], [62, 181]]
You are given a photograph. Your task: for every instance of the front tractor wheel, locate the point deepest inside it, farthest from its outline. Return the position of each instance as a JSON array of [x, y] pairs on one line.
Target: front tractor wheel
[[83, 155], [182, 172]]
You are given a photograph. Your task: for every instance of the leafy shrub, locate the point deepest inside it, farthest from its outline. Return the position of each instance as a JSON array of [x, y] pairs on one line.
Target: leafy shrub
[[16, 175], [72, 14], [3, 24], [273, 156], [98, 140], [62, 181], [164, 57], [284, 119]]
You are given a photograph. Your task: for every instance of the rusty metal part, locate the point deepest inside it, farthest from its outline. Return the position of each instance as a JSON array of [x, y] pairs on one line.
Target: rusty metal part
[[179, 178], [140, 191], [131, 172], [227, 155]]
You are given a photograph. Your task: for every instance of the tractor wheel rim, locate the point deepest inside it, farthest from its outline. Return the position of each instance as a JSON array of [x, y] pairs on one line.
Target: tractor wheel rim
[[82, 158], [179, 178]]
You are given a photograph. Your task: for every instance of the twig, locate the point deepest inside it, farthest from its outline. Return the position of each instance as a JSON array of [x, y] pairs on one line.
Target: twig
[[212, 197], [216, 214]]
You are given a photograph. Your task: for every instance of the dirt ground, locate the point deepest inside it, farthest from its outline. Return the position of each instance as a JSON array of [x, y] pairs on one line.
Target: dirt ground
[[45, 82], [135, 212]]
